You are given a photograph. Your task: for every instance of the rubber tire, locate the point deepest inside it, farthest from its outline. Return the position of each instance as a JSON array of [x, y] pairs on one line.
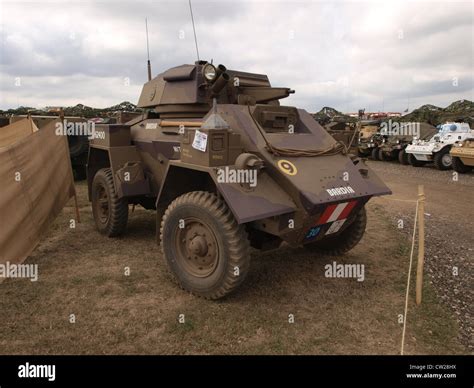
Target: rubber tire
[[231, 237], [438, 159], [414, 161], [382, 156], [375, 154], [403, 157], [80, 172], [78, 145], [118, 207], [346, 240], [459, 166]]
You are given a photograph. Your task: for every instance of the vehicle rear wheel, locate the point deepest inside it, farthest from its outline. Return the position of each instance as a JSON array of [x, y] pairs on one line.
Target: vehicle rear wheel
[[204, 247], [403, 157], [78, 145], [459, 166], [346, 240], [375, 154], [443, 160], [381, 155], [414, 161], [110, 212], [80, 173]]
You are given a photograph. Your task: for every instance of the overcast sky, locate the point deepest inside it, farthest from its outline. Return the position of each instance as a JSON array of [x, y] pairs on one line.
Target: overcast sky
[[345, 54]]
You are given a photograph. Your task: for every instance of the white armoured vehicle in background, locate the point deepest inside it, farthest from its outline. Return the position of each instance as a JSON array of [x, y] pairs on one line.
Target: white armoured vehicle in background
[[437, 148]]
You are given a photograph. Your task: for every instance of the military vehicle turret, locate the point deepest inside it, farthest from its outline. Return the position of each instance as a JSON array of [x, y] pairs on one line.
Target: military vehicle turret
[[227, 167]]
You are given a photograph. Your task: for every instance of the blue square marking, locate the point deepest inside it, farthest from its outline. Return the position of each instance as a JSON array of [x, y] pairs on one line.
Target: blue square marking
[[313, 232]]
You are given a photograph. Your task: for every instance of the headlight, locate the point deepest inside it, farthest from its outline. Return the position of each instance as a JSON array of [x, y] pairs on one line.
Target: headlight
[[209, 72], [398, 141]]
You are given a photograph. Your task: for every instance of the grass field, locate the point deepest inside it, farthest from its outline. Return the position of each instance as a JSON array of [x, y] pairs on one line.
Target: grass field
[[83, 273]]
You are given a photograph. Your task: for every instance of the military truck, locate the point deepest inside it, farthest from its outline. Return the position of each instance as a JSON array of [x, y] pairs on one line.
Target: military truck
[[393, 147], [369, 138], [346, 133], [437, 148], [462, 154], [227, 168]]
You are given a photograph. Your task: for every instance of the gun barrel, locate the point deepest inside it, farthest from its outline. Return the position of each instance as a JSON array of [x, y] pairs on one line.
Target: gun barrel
[[266, 93], [220, 69], [220, 83]]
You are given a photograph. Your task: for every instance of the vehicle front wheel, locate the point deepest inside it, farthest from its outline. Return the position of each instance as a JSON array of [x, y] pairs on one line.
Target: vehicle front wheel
[[204, 247], [375, 154], [382, 155], [403, 157], [459, 166], [443, 160]]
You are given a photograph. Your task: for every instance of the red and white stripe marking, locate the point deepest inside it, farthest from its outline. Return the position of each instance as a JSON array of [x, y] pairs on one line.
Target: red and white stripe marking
[[337, 211], [335, 226]]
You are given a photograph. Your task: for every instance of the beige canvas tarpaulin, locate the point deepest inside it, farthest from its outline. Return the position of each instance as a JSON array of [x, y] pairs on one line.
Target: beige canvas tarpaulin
[[16, 131], [36, 181]]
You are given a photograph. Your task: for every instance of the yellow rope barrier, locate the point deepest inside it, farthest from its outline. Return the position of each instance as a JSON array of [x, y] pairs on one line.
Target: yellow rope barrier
[[400, 200], [408, 280], [420, 222]]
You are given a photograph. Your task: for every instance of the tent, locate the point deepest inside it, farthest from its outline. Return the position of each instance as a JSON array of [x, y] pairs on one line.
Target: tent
[[36, 182]]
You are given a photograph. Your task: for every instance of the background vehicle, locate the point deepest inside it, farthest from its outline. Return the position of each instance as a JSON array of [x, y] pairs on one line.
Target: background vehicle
[[462, 154], [393, 147], [368, 139], [437, 148]]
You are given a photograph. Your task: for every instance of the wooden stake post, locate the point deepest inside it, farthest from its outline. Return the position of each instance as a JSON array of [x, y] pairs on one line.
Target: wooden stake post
[[421, 243]]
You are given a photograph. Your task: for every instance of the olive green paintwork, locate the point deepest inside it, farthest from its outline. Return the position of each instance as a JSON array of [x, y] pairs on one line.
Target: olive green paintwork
[[291, 192], [464, 151]]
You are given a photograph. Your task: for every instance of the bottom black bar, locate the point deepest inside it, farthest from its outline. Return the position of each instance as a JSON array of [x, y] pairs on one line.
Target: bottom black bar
[[383, 371]]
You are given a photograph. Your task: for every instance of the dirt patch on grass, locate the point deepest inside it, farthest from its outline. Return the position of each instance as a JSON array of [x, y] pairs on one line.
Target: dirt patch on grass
[[83, 273]]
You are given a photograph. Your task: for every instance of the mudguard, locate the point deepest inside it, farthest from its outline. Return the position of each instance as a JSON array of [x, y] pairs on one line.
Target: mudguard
[[246, 203]]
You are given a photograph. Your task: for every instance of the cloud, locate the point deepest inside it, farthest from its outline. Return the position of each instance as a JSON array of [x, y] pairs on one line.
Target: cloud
[[343, 54]]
